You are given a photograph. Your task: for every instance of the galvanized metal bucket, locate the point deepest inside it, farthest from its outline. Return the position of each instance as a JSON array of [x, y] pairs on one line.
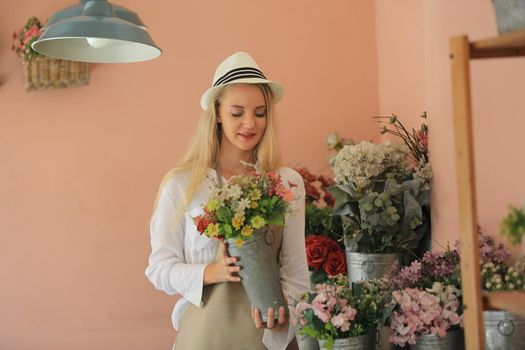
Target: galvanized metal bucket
[[306, 343], [362, 342], [510, 15], [503, 331], [260, 272], [362, 266], [453, 340]]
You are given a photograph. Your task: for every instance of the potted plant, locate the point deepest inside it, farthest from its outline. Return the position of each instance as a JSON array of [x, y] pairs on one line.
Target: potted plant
[[425, 309], [42, 72], [503, 330], [421, 317], [340, 315], [382, 194], [245, 212]]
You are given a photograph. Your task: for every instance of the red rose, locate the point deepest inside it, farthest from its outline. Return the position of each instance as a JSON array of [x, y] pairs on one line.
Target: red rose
[[335, 263], [330, 243], [316, 251]]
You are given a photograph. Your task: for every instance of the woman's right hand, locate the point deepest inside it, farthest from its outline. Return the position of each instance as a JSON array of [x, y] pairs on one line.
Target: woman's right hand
[[222, 270]]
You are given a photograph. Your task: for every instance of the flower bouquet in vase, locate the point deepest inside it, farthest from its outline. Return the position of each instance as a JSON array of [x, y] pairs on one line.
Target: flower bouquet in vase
[[503, 329], [382, 194], [427, 318], [340, 315], [248, 213], [425, 308]]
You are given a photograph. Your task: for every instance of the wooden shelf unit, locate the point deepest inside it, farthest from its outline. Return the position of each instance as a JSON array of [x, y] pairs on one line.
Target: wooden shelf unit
[[461, 52]]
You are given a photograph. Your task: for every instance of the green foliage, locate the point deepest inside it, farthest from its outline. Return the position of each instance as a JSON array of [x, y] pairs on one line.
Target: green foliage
[[321, 221], [513, 224], [388, 216]]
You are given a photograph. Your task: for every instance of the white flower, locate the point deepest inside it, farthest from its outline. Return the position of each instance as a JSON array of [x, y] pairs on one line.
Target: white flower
[[232, 192], [242, 204], [423, 170], [362, 162]]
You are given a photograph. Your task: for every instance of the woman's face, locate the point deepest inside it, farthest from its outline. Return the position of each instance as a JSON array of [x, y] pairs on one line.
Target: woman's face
[[242, 114]]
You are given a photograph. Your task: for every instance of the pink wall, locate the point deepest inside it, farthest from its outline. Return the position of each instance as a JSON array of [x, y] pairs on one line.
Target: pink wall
[[418, 74], [400, 57], [80, 167]]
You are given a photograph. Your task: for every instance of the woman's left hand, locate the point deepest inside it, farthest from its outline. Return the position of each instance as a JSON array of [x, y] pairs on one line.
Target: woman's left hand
[[277, 325]]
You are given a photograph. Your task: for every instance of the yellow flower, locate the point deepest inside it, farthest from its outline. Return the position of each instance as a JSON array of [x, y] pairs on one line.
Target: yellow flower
[[212, 204], [255, 195], [237, 221], [247, 231], [258, 222], [212, 230], [239, 242], [254, 205]]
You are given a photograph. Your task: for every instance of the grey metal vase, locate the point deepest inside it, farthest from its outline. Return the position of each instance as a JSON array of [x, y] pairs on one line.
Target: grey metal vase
[[306, 343], [510, 15], [362, 342], [363, 266], [260, 271], [453, 340], [503, 331]]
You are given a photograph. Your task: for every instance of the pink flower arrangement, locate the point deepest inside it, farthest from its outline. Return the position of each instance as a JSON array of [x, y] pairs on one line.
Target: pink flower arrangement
[[418, 312], [334, 310], [438, 266], [24, 37]]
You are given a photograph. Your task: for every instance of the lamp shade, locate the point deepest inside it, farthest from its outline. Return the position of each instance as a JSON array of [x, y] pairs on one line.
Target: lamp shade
[[76, 10], [97, 34]]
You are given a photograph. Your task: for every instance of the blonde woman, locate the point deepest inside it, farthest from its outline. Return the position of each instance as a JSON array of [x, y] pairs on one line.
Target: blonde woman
[[237, 126]]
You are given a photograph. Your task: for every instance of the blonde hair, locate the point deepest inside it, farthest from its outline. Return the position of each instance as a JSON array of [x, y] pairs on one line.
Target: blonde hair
[[203, 152]]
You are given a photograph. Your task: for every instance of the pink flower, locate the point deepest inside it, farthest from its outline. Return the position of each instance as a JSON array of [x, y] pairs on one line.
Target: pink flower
[[33, 32], [350, 312], [301, 307], [339, 321], [321, 310], [421, 312]]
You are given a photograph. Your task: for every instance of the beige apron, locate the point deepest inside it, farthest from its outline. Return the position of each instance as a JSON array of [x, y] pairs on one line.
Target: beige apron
[[224, 321]]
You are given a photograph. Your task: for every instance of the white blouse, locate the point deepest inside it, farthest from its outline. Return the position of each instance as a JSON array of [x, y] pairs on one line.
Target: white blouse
[[180, 253]]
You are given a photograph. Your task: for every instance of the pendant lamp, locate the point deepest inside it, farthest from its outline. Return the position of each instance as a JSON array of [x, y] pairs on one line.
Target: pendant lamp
[[96, 31]]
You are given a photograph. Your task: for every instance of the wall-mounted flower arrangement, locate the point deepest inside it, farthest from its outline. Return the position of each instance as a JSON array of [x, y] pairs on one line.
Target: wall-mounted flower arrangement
[[43, 72]]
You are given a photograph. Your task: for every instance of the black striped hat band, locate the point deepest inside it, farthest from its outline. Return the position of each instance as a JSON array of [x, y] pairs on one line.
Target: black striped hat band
[[239, 73]]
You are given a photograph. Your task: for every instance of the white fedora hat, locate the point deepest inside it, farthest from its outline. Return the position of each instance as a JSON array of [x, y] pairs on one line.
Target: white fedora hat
[[239, 68]]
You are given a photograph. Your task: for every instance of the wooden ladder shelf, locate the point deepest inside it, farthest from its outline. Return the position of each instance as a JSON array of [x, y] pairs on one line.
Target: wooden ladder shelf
[[461, 52]]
